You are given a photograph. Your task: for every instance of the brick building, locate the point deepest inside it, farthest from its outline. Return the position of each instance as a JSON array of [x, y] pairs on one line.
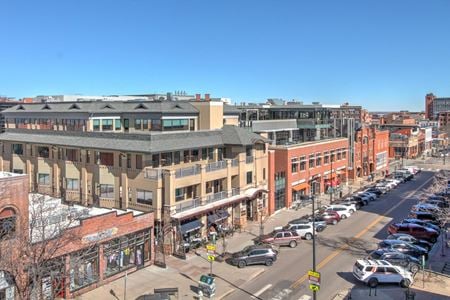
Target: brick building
[[94, 245], [301, 169], [370, 153]]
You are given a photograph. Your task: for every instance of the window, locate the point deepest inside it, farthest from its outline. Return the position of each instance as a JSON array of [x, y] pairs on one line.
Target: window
[[107, 124], [138, 161], [210, 153], [72, 184], [279, 235], [249, 177], [318, 159], [43, 151], [71, 154], [17, 149], [144, 197], [107, 191], [311, 161], [326, 158], [302, 163], [204, 153], [333, 159], [179, 193], [176, 157], [43, 179], [138, 124], [145, 124], [194, 155], [117, 124], [248, 151], [83, 268], [105, 158], [18, 171], [156, 124], [7, 223], [176, 124], [96, 125], [155, 160], [344, 154], [294, 165], [264, 173]]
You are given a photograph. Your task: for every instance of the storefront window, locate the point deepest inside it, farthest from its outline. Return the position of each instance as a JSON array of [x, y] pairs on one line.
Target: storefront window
[[83, 268], [126, 252]]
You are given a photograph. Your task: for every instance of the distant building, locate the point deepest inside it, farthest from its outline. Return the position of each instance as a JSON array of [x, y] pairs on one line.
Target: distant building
[[434, 106]]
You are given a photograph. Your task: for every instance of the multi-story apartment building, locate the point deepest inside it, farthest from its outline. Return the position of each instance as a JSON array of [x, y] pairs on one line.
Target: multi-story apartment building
[[175, 158], [302, 169], [435, 105], [371, 153]]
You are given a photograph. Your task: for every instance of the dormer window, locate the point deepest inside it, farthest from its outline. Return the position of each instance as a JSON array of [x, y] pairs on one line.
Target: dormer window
[[74, 106], [107, 106], [141, 106], [20, 107], [46, 106]]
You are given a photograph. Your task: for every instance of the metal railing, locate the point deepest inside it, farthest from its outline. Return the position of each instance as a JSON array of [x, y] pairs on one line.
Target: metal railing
[[180, 207], [216, 197], [235, 191], [154, 174], [249, 159], [189, 171], [214, 166], [235, 162]]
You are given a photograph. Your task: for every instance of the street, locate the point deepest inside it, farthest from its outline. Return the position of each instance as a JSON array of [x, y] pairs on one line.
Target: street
[[337, 249]]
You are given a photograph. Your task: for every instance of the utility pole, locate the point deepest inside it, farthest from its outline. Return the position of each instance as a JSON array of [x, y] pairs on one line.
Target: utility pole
[[331, 180], [313, 238]]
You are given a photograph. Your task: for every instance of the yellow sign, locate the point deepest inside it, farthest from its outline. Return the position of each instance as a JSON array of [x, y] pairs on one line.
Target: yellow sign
[[313, 274], [211, 247], [314, 287], [211, 257]]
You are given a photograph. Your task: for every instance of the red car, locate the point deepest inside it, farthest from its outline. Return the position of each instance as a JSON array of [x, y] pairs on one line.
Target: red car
[[330, 216], [417, 231]]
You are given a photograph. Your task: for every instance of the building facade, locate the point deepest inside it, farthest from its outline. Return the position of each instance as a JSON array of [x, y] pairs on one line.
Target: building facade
[[307, 168], [174, 158], [434, 106], [371, 153]]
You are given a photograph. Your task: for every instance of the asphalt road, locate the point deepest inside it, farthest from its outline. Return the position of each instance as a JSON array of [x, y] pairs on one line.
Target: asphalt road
[[337, 249]]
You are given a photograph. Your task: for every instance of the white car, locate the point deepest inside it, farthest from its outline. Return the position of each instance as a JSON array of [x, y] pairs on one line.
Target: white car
[[304, 230], [343, 211], [395, 181], [373, 272], [367, 195]]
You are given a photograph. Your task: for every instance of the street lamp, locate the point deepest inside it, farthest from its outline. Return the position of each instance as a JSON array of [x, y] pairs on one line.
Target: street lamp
[[331, 180], [313, 238]]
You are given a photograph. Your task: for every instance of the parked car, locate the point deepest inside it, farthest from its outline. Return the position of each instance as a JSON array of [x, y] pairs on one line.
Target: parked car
[[330, 216], [350, 204], [415, 230], [410, 239], [373, 272], [397, 259], [426, 216], [280, 238], [423, 223], [375, 190], [427, 208], [320, 223], [403, 247], [305, 230], [252, 255], [439, 203], [361, 200], [438, 197], [369, 196], [343, 211]]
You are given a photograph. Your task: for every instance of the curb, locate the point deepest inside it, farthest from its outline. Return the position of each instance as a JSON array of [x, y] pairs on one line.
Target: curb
[[253, 276]]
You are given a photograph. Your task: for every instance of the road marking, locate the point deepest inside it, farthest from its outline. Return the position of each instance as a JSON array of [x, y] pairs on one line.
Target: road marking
[[255, 295], [338, 251], [282, 294], [305, 297]]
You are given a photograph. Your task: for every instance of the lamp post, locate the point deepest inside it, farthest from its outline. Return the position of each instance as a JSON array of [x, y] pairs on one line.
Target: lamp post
[[331, 179], [313, 238]]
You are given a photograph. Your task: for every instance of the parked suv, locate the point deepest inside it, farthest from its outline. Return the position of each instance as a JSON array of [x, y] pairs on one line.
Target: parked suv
[[396, 258], [280, 238], [373, 272], [252, 255], [343, 211], [320, 223], [417, 231], [305, 230]]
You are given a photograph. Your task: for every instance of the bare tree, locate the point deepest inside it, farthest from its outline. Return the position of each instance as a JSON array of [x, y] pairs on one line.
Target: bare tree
[[33, 257]]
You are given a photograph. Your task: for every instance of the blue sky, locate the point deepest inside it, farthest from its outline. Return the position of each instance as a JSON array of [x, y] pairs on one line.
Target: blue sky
[[381, 54]]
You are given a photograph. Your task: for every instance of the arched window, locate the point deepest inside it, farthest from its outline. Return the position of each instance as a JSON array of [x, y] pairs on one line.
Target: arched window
[[8, 220]]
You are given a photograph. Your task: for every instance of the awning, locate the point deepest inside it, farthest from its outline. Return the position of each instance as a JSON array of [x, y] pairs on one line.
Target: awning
[[218, 216], [190, 226], [300, 186]]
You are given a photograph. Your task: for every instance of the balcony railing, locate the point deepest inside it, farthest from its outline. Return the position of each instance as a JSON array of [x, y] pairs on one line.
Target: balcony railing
[[235, 191], [154, 174], [216, 197], [189, 171], [188, 205], [214, 166], [249, 159], [235, 162]]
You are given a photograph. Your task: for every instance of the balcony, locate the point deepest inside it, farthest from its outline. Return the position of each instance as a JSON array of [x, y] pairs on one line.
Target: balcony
[[312, 124], [188, 205], [235, 162], [153, 174], [214, 166], [249, 159], [235, 191], [189, 171], [216, 197]]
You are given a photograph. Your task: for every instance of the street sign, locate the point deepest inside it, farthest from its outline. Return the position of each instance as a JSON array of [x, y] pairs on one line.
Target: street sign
[[314, 287], [211, 247], [314, 277], [211, 257], [313, 274]]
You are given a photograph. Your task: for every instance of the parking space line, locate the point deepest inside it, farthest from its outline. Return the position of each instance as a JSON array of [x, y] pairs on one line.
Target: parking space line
[[255, 295], [338, 251]]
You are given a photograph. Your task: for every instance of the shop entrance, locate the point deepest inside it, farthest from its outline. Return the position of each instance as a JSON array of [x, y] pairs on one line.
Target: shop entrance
[[250, 210]]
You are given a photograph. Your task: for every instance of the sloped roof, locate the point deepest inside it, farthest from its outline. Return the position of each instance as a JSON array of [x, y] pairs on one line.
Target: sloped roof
[[129, 142]]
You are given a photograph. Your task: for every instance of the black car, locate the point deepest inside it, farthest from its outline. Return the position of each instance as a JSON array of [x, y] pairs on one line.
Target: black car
[[359, 200], [403, 247], [376, 191], [423, 223], [257, 254], [396, 258], [410, 239], [425, 216]]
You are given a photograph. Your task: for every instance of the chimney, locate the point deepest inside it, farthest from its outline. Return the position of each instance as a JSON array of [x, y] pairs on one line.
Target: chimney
[[197, 97], [207, 97]]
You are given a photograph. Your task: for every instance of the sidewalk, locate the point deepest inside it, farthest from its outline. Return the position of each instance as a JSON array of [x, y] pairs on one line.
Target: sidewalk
[[184, 274]]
